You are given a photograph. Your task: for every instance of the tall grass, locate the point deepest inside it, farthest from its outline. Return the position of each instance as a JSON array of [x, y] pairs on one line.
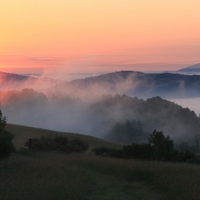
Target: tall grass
[[86, 177], [175, 180], [45, 177]]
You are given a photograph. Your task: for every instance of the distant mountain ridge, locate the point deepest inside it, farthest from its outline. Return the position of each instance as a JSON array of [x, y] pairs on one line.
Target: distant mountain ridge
[[10, 81], [132, 83], [139, 84], [191, 69]]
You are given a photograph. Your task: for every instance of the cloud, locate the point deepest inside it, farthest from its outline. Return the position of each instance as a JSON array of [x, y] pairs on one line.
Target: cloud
[[48, 61]]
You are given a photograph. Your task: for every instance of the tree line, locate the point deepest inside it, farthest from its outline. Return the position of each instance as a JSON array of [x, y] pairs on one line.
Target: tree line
[[159, 147]]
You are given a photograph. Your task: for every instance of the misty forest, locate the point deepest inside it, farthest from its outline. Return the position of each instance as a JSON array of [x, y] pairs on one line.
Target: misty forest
[[123, 107]]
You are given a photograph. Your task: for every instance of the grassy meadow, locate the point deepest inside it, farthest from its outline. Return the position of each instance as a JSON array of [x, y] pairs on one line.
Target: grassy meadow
[[53, 175]]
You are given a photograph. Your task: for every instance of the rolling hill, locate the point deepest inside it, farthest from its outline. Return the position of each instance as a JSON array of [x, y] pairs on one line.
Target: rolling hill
[[142, 85], [23, 133], [10, 81], [132, 83]]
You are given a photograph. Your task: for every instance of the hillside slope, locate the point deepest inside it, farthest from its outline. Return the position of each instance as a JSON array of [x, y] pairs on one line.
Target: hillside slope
[[193, 69], [142, 85], [10, 81], [23, 133]]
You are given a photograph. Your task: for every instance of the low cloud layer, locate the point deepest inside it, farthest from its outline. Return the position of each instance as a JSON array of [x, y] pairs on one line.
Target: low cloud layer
[[94, 105], [97, 116]]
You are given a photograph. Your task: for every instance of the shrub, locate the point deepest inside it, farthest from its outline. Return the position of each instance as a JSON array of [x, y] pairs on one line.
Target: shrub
[[77, 145], [159, 148], [61, 140], [185, 156], [57, 143], [138, 151]]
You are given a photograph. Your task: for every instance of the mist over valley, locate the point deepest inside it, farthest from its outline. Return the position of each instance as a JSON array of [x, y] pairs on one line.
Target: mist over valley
[[123, 107]]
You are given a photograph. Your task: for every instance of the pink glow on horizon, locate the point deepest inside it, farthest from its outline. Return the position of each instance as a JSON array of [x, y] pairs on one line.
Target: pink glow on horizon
[[94, 36]]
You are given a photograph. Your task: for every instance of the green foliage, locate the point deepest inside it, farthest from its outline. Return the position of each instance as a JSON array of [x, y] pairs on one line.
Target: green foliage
[[138, 151], [185, 156], [61, 141], [159, 141], [6, 146], [160, 148], [162, 145], [77, 145], [57, 143], [43, 143]]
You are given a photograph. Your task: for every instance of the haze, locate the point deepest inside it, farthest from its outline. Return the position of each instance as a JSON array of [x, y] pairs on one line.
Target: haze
[[98, 36]]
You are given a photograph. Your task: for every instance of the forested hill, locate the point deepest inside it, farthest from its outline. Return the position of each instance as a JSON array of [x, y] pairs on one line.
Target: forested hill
[[166, 85], [142, 85], [99, 117], [10, 81]]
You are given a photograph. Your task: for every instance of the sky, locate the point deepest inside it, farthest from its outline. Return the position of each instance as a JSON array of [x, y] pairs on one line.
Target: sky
[[92, 36]]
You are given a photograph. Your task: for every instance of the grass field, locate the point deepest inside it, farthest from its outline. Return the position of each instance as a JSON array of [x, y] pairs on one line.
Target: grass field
[[58, 176], [45, 175]]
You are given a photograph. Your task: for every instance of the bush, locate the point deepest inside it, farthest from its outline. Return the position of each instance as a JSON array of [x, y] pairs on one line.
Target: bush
[[159, 148], [58, 143], [77, 145], [138, 151], [185, 156], [6, 146], [43, 143]]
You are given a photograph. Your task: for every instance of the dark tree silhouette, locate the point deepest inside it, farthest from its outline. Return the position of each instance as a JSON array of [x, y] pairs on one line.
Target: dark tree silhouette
[[6, 146], [163, 145]]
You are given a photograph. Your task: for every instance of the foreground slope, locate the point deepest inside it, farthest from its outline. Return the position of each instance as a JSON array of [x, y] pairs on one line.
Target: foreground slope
[[57, 176], [49, 176]]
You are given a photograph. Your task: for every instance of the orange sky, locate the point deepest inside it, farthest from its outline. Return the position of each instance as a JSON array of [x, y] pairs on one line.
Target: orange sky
[[99, 35]]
